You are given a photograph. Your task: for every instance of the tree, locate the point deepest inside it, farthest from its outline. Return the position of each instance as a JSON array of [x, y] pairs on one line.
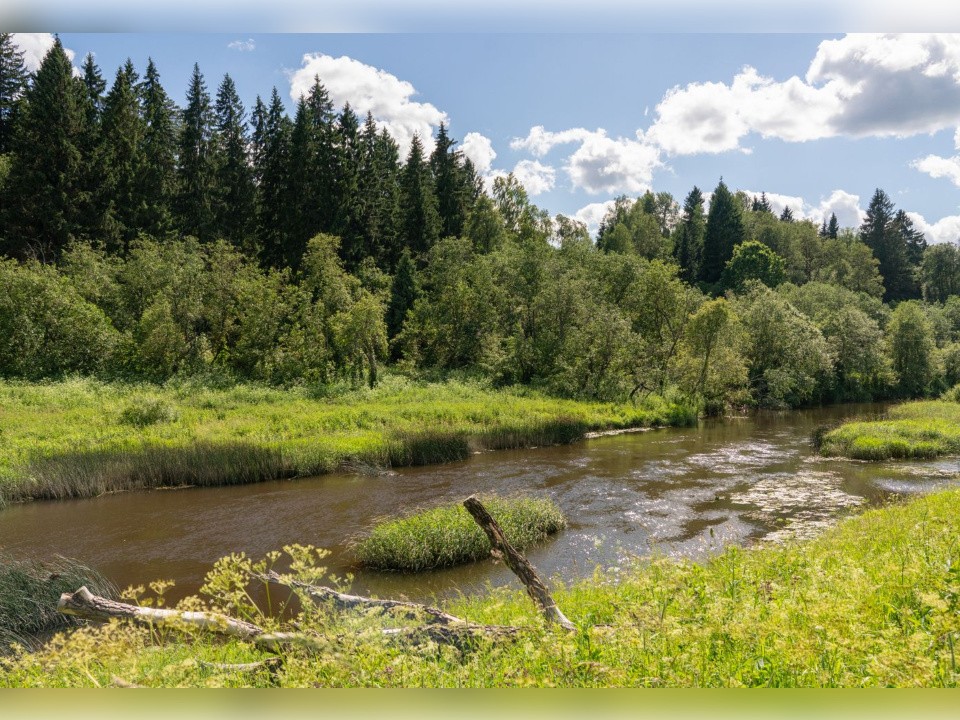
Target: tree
[[271, 166], [724, 232], [196, 173], [404, 291], [889, 247], [451, 184], [915, 243], [761, 204], [234, 190], [348, 222], [13, 83], [123, 141], [940, 272], [786, 215], [912, 349], [420, 224], [753, 260], [158, 175], [44, 190], [833, 227], [688, 245]]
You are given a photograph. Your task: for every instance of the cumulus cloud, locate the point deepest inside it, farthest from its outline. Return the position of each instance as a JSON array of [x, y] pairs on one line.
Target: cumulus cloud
[[778, 202], [539, 141], [939, 167], [369, 89], [946, 229], [604, 164], [845, 205], [592, 215], [243, 45], [479, 150], [535, 177], [35, 46], [857, 86]]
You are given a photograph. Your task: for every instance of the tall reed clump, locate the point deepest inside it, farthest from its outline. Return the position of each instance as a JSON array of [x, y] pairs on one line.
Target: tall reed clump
[[447, 536], [29, 592]]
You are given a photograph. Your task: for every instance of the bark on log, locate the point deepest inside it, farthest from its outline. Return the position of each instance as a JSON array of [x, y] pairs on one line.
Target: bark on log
[[343, 601], [536, 588]]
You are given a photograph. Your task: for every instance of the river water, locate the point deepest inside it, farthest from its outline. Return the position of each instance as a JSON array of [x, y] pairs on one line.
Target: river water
[[686, 492]]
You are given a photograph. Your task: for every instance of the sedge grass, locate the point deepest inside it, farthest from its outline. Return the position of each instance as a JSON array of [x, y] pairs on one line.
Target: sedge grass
[[82, 437], [873, 602], [29, 592], [925, 429], [448, 535]]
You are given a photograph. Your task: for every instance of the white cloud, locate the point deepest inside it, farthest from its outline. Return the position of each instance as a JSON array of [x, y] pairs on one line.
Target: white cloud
[[845, 206], [248, 45], [946, 229], [479, 150], [35, 46], [778, 202], [857, 86], [604, 164], [592, 215], [938, 167], [534, 176], [369, 89], [956, 139], [539, 141]]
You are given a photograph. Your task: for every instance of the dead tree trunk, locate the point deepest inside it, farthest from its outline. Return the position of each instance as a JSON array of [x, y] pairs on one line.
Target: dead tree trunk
[[536, 589]]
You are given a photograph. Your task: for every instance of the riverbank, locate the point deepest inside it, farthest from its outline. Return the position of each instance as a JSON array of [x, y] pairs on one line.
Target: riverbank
[[871, 602], [925, 429], [82, 438]]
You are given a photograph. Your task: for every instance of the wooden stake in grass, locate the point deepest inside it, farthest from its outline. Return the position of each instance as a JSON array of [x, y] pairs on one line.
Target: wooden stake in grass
[[536, 588]]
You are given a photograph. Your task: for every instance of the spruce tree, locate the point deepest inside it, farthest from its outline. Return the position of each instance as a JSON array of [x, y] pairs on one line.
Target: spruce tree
[[13, 83], [724, 231], [348, 221], [688, 248], [271, 167], [379, 194], [159, 176], [420, 224], [889, 247], [915, 244], [761, 204], [451, 185], [833, 227], [786, 215], [234, 199], [95, 191], [123, 132], [195, 199], [403, 293], [44, 191]]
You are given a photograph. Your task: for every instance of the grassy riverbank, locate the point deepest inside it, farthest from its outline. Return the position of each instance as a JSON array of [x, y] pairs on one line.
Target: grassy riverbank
[[872, 602], [447, 535], [82, 438], [925, 429]]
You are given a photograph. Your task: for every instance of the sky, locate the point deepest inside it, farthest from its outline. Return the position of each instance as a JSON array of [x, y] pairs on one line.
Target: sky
[[816, 121]]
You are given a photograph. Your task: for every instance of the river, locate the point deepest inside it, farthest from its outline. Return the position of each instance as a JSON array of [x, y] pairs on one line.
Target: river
[[677, 491]]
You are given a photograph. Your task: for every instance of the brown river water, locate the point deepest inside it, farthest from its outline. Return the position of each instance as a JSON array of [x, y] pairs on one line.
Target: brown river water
[[684, 492]]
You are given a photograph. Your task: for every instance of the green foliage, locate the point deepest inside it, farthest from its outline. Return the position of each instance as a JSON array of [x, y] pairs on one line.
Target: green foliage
[[448, 535], [46, 328], [725, 230], [753, 260], [912, 349], [789, 359]]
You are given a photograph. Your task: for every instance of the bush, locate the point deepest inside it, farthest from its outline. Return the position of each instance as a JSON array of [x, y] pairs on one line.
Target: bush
[[448, 535]]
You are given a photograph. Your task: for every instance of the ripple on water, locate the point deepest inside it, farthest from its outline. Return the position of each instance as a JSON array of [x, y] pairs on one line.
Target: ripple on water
[[733, 458]]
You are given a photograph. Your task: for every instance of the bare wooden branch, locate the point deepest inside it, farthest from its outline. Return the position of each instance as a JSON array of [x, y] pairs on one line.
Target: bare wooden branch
[[343, 601], [536, 588]]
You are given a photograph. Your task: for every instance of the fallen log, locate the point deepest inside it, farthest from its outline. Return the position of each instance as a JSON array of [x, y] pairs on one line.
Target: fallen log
[[520, 566]]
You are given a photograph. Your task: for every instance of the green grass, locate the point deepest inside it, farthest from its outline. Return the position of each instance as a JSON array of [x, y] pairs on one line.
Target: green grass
[[874, 601], [448, 535], [29, 592], [925, 429], [80, 438]]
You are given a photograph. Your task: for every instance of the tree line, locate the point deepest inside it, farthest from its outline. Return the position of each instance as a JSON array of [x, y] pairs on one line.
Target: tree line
[[144, 241]]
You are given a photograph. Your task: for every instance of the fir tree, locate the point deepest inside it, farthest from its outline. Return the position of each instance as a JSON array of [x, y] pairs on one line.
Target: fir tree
[[724, 231], [13, 83], [234, 209], [420, 225], [688, 248], [44, 191], [159, 175], [195, 200]]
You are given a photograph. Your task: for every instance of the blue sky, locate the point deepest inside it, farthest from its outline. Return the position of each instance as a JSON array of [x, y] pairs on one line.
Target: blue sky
[[817, 121]]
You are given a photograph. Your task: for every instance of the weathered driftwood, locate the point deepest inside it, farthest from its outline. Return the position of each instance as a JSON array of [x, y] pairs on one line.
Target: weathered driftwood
[[441, 627], [536, 588]]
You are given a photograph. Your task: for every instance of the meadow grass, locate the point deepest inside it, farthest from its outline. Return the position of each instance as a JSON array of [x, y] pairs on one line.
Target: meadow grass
[[29, 592], [448, 535], [925, 429], [874, 601], [82, 437]]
